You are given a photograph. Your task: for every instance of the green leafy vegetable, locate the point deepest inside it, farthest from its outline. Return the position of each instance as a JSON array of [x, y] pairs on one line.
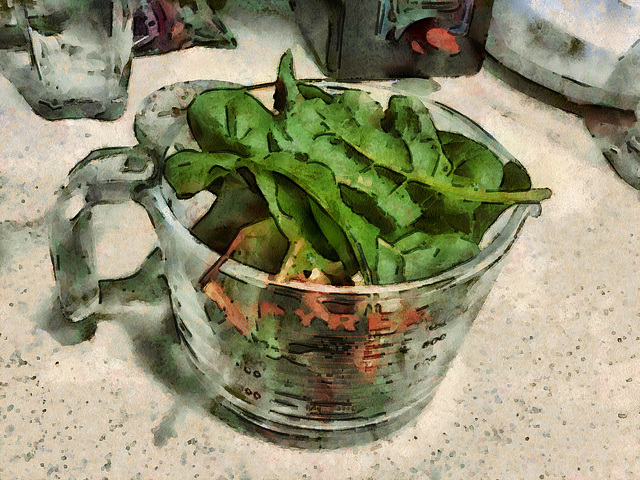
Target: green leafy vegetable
[[340, 188], [229, 120], [425, 255]]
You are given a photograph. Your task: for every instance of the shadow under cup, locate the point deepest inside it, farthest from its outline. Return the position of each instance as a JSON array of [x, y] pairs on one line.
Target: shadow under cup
[[80, 54]]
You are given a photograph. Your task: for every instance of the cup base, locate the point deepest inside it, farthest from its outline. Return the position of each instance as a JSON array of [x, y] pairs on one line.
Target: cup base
[[326, 435], [319, 439]]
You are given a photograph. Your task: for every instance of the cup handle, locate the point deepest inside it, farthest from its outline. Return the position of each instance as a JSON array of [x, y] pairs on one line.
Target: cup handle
[[106, 176]]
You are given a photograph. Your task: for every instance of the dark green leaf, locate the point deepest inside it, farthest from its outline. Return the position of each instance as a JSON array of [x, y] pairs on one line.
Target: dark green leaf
[[361, 130], [409, 119], [262, 246], [313, 91], [294, 202], [230, 120], [363, 204], [352, 187], [287, 92], [336, 238], [475, 166], [426, 255], [319, 183], [236, 206], [190, 172], [365, 110], [390, 264], [472, 160], [350, 166], [514, 179]]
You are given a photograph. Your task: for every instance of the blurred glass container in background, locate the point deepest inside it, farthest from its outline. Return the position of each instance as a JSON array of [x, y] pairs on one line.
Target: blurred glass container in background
[[587, 50], [72, 59], [80, 55]]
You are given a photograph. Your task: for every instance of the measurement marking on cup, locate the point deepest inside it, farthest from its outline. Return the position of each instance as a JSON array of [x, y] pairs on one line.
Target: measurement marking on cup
[[284, 403], [185, 341], [185, 329], [373, 356], [246, 369], [436, 326], [434, 340], [291, 395], [332, 404], [426, 360], [251, 393], [333, 415]]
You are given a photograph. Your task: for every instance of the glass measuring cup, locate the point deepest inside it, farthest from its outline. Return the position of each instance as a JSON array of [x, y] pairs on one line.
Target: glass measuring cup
[[304, 360]]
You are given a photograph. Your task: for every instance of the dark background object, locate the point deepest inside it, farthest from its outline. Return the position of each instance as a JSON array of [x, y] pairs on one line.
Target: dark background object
[[377, 39], [162, 26]]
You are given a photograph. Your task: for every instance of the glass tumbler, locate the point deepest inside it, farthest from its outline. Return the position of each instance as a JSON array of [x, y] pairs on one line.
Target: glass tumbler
[[80, 55]]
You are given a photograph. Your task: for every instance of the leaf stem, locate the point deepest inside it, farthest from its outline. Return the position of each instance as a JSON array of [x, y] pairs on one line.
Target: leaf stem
[[472, 194], [211, 274], [291, 257]]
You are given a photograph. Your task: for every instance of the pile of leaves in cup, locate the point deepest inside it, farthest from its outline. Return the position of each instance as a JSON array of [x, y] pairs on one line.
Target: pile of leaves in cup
[[334, 189]]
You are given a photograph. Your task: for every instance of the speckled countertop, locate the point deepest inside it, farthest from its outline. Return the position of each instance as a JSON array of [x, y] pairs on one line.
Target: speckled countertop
[[546, 385]]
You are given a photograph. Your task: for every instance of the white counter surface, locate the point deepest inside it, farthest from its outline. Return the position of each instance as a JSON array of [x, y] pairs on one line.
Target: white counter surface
[[546, 385]]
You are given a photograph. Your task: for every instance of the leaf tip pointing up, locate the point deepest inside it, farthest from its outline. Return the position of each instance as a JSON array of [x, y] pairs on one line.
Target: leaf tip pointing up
[[285, 67], [286, 87]]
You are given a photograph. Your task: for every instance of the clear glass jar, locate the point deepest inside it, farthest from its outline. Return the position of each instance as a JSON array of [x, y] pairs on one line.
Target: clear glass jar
[[80, 57]]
